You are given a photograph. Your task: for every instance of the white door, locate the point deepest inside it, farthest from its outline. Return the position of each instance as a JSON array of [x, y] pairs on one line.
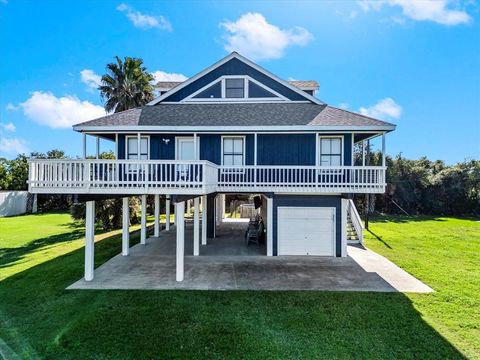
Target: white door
[[306, 231], [185, 148]]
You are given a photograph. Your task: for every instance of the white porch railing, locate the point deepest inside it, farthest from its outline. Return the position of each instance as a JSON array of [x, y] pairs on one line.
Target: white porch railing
[[122, 176], [196, 177], [331, 179]]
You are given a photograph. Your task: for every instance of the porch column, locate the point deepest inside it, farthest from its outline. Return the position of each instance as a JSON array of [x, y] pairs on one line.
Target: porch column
[[204, 220], [125, 227], [269, 226], [363, 152], [167, 213], [89, 239], [156, 226], [84, 138], [97, 148], [138, 146], [143, 221], [180, 211], [116, 145], [383, 149], [196, 227]]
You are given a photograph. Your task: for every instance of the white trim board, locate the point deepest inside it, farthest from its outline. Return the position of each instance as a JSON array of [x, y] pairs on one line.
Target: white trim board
[[244, 60]]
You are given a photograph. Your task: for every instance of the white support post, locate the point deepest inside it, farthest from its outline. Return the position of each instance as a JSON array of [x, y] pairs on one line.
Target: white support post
[[180, 211], [363, 152], [125, 227], [116, 145], [143, 221], [383, 149], [35, 204], [269, 227], [204, 220], [196, 227], [167, 213], [344, 206], [189, 206], [138, 146], [97, 155], [156, 226], [255, 159], [89, 239], [84, 145]]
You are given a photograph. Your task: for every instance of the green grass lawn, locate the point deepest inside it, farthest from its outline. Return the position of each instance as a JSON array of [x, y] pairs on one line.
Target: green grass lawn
[[40, 255]]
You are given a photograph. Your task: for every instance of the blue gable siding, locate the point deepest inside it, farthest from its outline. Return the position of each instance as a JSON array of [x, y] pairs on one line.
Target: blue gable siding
[[235, 67], [309, 201], [347, 148], [279, 149]]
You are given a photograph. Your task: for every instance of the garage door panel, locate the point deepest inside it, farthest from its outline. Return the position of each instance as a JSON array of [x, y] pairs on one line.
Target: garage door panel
[[306, 231]]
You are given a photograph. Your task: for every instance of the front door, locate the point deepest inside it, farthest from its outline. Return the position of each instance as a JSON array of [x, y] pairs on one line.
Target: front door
[[185, 148]]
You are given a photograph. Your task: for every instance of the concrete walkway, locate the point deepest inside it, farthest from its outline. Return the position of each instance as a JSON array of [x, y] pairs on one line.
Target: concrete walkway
[[152, 267]]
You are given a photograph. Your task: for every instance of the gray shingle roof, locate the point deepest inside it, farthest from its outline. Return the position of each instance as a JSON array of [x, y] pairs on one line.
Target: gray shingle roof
[[253, 114]]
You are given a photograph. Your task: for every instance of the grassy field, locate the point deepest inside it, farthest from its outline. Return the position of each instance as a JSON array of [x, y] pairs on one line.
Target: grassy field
[[40, 255]]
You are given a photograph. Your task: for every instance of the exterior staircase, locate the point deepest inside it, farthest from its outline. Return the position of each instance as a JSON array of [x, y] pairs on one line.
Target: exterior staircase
[[354, 225], [352, 236]]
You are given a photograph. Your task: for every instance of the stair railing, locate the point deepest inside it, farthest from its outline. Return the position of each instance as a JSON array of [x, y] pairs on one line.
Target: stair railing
[[356, 220]]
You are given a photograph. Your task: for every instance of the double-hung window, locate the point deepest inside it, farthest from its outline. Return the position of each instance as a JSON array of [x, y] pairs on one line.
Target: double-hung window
[[233, 150], [235, 88], [132, 148], [330, 151]]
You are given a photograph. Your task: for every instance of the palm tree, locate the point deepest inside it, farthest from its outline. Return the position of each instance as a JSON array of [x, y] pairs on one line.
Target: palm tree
[[126, 85]]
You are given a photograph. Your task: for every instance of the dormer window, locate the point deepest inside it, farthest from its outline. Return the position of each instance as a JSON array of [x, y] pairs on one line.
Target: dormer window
[[235, 88]]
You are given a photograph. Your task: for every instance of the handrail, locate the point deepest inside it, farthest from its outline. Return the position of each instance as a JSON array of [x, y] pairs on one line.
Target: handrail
[[92, 175], [356, 220]]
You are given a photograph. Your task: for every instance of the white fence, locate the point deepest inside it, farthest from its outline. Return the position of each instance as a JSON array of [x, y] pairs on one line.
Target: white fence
[[13, 203]]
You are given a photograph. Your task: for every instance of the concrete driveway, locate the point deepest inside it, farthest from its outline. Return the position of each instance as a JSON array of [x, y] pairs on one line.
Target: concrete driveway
[[152, 267]]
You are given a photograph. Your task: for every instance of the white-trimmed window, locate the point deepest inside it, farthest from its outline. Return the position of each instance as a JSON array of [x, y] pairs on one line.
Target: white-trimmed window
[[234, 88], [233, 150], [132, 148], [331, 151]]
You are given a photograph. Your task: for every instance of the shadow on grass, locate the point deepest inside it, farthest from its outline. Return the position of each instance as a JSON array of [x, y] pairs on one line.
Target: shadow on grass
[[379, 239], [44, 319]]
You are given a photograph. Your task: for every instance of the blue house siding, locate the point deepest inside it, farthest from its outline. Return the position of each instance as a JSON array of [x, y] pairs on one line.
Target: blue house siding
[[159, 150], [234, 67], [273, 149], [279, 149], [309, 201], [211, 148]]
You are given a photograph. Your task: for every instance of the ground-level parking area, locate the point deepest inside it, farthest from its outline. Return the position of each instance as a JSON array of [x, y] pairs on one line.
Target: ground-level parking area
[[227, 263]]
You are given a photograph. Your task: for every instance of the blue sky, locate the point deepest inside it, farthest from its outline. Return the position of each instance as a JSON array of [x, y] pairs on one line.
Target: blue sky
[[416, 64]]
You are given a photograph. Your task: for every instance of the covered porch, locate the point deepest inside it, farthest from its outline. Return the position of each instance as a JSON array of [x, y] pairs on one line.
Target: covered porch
[[226, 263]]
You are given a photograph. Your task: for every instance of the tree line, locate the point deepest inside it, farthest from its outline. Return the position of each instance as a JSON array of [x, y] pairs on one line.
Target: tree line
[[413, 186]]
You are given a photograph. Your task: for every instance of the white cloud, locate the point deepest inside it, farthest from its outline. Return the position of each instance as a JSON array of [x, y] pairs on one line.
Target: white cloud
[[13, 146], [164, 76], [144, 21], [439, 11], [343, 106], [385, 108], [90, 78], [46, 109], [8, 127], [251, 35], [11, 107]]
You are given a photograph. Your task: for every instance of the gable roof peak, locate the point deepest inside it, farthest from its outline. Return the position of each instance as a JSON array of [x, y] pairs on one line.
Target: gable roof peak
[[248, 62]]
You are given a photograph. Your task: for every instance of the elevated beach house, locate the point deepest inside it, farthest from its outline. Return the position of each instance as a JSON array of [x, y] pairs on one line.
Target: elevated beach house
[[234, 128]]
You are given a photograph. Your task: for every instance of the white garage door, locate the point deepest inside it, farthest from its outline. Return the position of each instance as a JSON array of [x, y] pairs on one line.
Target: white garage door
[[306, 231]]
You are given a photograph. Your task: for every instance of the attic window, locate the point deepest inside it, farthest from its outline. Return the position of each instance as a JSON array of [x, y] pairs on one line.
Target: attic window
[[235, 88]]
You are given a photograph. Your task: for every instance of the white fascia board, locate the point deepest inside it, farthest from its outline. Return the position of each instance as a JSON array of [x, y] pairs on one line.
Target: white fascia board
[[203, 129], [246, 61]]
